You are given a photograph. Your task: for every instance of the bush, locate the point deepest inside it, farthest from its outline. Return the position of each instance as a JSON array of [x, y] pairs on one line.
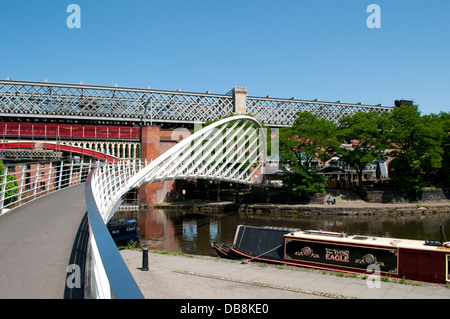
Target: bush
[[304, 184], [11, 186]]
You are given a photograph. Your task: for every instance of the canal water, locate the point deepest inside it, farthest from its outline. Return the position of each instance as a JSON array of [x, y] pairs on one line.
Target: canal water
[[193, 233]]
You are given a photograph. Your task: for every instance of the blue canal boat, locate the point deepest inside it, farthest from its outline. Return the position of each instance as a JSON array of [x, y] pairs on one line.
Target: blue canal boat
[[123, 231]]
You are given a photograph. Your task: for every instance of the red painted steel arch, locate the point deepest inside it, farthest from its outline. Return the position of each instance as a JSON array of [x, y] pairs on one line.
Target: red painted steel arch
[[59, 147]]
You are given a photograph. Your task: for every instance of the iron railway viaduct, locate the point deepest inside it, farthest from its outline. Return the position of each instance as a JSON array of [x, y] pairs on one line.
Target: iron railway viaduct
[[43, 120]]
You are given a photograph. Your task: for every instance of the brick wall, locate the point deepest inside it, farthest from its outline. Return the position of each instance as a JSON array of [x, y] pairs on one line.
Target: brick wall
[[154, 142]]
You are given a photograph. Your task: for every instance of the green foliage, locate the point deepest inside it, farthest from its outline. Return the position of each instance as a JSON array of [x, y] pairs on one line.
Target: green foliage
[[419, 146], [304, 184], [417, 143], [363, 139], [306, 139], [11, 186], [443, 175]]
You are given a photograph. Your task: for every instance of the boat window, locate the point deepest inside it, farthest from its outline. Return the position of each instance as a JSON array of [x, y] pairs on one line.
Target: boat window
[[325, 233], [432, 242], [360, 237]]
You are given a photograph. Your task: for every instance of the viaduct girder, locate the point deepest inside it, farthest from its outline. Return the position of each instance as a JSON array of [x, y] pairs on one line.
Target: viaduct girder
[[133, 106]]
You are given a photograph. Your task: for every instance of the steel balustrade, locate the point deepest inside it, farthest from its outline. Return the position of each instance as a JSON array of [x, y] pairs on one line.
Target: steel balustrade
[[109, 183], [22, 182], [110, 277]]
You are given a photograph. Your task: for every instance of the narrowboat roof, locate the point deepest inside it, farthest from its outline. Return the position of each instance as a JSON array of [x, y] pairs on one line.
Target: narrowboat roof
[[343, 238]]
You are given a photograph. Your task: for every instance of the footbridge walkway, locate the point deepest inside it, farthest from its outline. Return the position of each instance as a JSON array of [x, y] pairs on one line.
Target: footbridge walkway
[[37, 245], [58, 245]]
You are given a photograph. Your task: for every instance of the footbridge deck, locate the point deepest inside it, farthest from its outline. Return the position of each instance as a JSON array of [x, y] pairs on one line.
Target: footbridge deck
[[37, 245]]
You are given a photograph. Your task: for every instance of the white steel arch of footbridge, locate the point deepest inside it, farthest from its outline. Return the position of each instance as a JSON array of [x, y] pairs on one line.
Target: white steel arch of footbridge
[[233, 149]]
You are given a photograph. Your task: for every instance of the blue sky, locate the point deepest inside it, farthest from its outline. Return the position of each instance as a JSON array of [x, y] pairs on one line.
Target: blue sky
[[308, 49]]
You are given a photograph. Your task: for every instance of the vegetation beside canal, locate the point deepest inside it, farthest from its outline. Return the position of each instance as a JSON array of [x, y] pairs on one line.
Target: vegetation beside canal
[[292, 210]]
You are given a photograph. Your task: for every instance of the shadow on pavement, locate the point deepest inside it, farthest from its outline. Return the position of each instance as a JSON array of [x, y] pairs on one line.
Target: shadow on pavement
[[75, 284]]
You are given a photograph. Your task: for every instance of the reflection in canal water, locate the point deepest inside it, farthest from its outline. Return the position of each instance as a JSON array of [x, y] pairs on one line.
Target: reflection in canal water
[[185, 231]]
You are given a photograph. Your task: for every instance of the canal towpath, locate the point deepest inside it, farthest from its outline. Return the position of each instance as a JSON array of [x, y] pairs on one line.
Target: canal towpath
[[180, 276]]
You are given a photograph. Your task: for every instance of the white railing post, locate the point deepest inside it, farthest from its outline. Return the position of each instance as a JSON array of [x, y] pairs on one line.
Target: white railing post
[[114, 185], [2, 195], [70, 172], [90, 165], [120, 172], [36, 178], [81, 171], [49, 177], [22, 184], [60, 175]]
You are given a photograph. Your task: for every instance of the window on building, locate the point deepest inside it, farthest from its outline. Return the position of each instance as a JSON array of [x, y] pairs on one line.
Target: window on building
[[27, 180]]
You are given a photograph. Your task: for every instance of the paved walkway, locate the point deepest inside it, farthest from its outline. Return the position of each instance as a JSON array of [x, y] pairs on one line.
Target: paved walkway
[[36, 242], [180, 277]]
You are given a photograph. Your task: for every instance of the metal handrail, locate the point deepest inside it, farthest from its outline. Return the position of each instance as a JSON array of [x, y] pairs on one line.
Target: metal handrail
[[111, 278], [24, 181]]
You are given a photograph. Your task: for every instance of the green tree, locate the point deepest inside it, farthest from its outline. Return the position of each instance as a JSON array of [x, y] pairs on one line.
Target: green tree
[[363, 138], [443, 176], [417, 147], [11, 186], [306, 139], [303, 184]]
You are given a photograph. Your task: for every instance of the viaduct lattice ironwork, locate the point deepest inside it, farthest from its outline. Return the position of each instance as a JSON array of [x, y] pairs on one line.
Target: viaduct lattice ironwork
[[109, 122], [79, 102]]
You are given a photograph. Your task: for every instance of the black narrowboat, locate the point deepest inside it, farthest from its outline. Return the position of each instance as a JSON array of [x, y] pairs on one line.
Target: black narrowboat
[[427, 261], [123, 231]]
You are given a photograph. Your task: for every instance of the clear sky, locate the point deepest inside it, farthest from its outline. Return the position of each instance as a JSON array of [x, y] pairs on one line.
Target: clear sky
[[308, 49]]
